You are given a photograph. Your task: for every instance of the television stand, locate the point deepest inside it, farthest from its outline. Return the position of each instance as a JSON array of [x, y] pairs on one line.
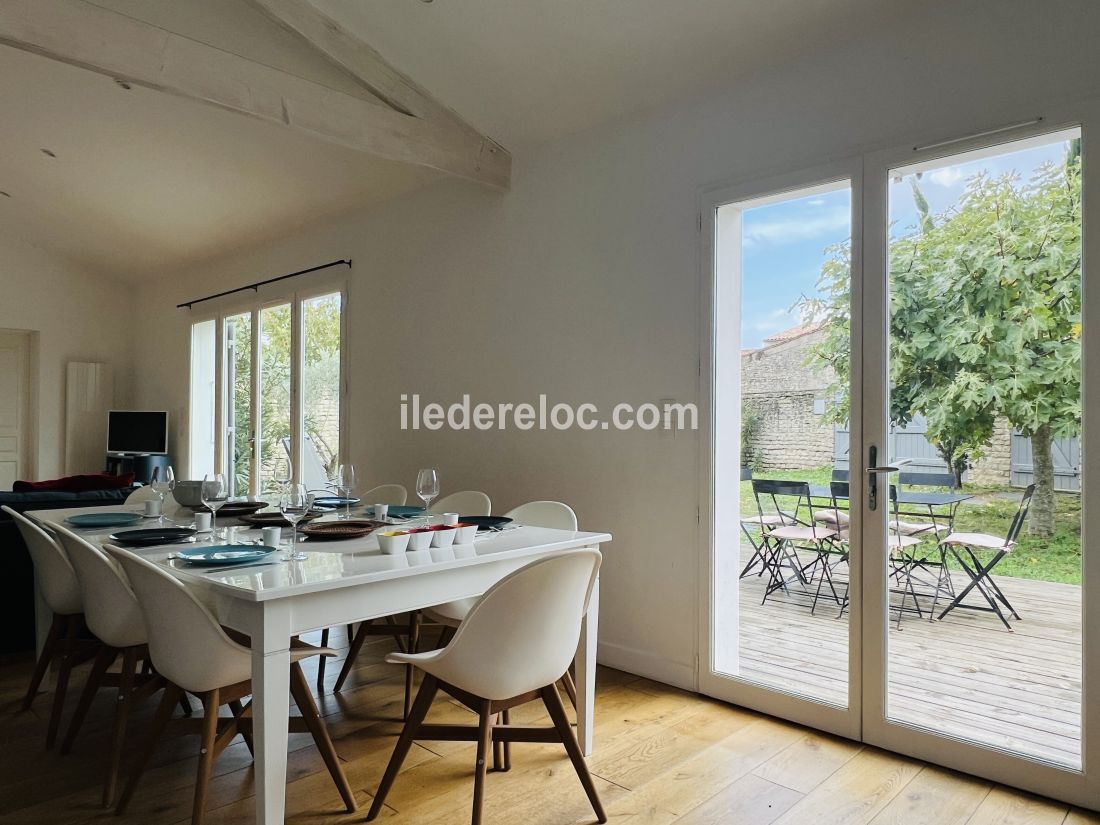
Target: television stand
[[140, 464]]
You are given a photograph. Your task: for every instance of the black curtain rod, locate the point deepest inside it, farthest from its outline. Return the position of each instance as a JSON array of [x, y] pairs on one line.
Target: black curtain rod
[[256, 286]]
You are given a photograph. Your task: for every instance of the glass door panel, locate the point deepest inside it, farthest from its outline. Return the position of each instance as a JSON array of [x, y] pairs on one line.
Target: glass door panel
[[782, 367], [273, 414], [984, 533], [238, 403], [321, 383]]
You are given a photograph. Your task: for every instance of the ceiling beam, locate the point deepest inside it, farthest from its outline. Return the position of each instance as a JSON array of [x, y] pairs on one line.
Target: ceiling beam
[[138, 53]]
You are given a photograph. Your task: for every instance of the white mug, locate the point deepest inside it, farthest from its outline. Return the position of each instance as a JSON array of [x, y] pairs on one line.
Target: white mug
[[450, 519], [202, 522], [381, 511], [152, 506], [272, 536]]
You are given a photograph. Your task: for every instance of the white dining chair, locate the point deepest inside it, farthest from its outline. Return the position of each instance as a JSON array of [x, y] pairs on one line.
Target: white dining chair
[[553, 514], [513, 647], [382, 494], [58, 586], [112, 614], [385, 494], [195, 654], [465, 503]]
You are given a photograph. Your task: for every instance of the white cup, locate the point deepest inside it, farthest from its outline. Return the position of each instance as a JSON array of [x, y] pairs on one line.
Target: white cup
[[202, 522], [381, 511], [394, 542], [450, 519], [272, 536], [152, 506]]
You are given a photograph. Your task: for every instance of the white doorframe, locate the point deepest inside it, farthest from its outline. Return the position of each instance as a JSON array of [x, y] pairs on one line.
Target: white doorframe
[[716, 377], [1077, 787]]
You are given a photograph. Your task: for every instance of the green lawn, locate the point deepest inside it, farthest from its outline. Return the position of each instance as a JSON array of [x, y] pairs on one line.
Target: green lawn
[[1056, 559]]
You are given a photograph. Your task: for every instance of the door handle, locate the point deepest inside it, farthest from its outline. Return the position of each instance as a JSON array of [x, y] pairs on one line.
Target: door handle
[[872, 476]]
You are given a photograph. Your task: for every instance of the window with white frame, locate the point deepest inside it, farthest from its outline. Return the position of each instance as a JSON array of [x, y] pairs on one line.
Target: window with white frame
[[267, 392]]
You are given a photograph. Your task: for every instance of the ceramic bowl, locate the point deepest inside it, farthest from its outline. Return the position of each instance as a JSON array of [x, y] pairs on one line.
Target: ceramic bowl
[[443, 536], [464, 533], [420, 539], [393, 542]]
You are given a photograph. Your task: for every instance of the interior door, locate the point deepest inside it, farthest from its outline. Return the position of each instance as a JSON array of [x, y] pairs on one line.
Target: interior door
[[977, 595], [14, 407]]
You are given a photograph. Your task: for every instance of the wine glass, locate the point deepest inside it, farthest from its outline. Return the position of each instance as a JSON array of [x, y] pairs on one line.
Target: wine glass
[[214, 493], [162, 486], [282, 473], [346, 482], [427, 488], [294, 503]]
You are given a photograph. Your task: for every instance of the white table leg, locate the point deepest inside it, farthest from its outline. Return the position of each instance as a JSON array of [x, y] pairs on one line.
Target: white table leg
[[271, 709], [585, 672]]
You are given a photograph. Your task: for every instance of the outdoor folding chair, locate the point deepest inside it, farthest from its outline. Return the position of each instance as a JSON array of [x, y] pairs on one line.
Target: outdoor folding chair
[[780, 544], [932, 523], [965, 547], [754, 528]]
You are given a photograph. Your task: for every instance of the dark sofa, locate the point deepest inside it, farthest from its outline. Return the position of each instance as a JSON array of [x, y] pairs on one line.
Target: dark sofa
[[17, 582]]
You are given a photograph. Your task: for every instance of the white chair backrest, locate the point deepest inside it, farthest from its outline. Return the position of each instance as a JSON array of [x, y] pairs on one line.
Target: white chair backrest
[[314, 473], [465, 503], [186, 642], [523, 633], [551, 514], [110, 606], [52, 570], [385, 494]]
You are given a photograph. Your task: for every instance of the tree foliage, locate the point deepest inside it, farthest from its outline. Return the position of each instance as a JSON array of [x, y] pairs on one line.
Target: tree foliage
[[985, 317]]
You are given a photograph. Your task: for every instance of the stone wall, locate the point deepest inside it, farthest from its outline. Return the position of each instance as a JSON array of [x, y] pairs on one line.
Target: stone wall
[[788, 398]]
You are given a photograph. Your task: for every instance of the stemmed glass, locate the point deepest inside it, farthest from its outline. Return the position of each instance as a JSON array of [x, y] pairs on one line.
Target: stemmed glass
[[427, 488], [282, 473], [294, 503], [346, 482], [162, 487], [214, 493]]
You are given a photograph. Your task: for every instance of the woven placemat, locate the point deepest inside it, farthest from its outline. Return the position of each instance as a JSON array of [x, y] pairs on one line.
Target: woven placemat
[[340, 529]]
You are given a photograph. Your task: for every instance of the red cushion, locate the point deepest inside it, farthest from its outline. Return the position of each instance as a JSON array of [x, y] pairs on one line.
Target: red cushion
[[76, 484]]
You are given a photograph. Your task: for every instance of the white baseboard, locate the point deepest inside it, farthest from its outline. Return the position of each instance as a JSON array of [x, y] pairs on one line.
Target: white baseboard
[[644, 663]]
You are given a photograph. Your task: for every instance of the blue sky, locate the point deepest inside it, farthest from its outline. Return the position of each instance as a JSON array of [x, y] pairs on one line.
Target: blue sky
[[783, 244]]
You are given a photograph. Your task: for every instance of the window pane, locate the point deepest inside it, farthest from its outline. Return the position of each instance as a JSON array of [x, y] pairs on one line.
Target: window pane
[[321, 387], [238, 413], [275, 363]]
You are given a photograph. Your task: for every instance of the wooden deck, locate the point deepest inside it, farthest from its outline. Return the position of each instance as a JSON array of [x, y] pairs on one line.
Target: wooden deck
[[965, 676]]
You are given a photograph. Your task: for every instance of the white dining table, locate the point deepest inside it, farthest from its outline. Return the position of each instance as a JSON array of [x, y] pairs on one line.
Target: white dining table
[[342, 582]]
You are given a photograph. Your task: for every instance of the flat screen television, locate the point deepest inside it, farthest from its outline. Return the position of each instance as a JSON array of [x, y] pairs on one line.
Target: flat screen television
[[137, 431]]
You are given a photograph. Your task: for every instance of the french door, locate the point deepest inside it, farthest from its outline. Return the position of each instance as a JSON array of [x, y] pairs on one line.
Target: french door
[[895, 372]]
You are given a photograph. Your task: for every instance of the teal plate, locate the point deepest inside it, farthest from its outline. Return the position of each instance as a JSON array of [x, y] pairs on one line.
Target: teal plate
[[400, 510], [104, 519], [224, 554]]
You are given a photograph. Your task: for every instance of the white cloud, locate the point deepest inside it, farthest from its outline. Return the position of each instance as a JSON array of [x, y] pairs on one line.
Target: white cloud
[[946, 177], [830, 222], [816, 202]]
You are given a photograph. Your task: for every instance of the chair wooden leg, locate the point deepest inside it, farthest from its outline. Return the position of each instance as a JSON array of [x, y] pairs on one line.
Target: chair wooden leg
[[238, 713], [570, 688], [414, 643], [172, 695], [356, 645], [321, 664], [556, 709], [299, 689], [498, 746], [210, 704], [122, 716], [68, 651], [484, 743], [420, 710], [103, 660], [506, 718], [49, 650]]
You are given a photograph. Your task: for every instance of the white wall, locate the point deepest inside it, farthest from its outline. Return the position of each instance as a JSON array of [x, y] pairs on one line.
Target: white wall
[[79, 316], [583, 283]]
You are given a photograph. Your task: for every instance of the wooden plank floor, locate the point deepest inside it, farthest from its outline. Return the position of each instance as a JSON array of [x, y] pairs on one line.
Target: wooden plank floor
[[965, 676], [663, 756]]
